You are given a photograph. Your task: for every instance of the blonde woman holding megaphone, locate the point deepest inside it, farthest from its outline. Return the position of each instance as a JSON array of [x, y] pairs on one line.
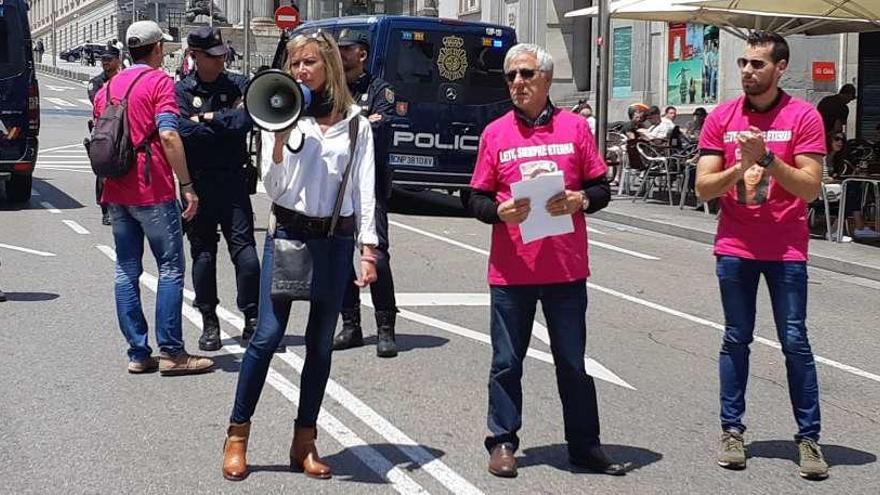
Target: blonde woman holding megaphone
[[323, 199]]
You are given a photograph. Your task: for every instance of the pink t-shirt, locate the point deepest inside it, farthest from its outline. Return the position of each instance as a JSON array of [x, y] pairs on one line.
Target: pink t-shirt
[[509, 150], [760, 220], [154, 94]]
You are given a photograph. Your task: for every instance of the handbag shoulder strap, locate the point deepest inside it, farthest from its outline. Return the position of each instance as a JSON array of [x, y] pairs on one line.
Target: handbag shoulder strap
[[352, 143]]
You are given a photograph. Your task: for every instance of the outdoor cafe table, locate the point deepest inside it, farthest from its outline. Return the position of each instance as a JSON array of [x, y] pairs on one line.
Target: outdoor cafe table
[[874, 180]]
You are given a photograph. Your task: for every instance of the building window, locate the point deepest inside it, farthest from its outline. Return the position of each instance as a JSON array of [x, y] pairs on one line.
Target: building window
[[468, 6]]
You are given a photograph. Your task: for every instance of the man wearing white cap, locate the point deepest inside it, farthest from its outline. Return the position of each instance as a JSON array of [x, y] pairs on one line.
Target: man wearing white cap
[[143, 202]]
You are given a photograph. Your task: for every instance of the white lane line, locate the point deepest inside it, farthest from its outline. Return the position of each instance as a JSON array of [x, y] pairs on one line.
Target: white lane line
[[59, 101], [624, 251], [79, 229], [674, 312], [58, 88], [594, 369], [405, 299], [48, 206], [594, 231], [65, 163], [26, 250], [67, 170], [439, 238], [342, 434], [66, 146], [84, 101]]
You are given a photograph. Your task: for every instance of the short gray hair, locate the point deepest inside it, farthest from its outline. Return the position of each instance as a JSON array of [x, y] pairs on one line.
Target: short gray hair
[[545, 61]]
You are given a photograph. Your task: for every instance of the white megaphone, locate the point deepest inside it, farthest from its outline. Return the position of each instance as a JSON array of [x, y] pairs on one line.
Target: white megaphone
[[275, 101]]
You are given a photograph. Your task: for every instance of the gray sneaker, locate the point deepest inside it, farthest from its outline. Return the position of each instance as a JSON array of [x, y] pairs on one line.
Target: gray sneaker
[[813, 465], [732, 454]]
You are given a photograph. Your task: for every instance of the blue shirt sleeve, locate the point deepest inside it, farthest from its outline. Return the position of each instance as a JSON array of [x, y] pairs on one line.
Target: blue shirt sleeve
[[166, 121]]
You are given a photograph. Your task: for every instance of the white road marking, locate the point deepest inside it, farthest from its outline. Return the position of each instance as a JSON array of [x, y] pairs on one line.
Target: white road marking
[[624, 251], [84, 101], [26, 250], [58, 88], [59, 101], [59, 169], [79, 229], [439, 238], [594, 231], [342, 434], [66, 146], [66, 163], [674, 312], [48, 206]]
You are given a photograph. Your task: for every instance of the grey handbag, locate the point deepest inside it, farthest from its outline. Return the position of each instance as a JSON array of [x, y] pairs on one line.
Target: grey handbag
[[292, 261]]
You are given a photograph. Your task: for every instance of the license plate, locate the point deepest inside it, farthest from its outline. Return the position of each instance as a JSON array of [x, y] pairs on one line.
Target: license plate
[[411, 160]]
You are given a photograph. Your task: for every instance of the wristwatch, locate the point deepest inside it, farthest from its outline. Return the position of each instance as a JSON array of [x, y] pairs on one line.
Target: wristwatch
[[585, 202], [767, 160]]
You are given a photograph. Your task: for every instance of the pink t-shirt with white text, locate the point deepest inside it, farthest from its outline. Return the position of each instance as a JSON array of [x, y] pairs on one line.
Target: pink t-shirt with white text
[[154, 94], [760, 220], [509, 150]]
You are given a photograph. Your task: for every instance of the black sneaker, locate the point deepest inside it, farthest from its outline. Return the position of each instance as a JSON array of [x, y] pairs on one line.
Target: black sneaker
[[105, 219], [598, 461], [732, 454], [812, 463]]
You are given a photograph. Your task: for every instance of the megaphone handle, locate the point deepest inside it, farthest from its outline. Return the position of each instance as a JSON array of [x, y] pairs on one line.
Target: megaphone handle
[[302, 142]]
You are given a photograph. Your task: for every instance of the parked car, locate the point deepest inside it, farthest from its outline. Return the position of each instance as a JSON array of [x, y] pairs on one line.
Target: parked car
[[19, 102], [80, 51]]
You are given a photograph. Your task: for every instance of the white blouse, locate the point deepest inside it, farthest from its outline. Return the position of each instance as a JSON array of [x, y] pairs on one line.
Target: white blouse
[[308, 181]]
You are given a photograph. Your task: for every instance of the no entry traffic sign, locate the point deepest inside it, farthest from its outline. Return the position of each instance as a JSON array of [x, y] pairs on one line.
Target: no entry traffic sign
[[287, 17]]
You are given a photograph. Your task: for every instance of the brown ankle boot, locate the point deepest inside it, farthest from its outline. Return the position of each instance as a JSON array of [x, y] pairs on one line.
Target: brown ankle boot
[[304, 456], [235, 451]]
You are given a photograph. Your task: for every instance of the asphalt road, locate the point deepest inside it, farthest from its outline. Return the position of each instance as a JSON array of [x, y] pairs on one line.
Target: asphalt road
[[73, 421]]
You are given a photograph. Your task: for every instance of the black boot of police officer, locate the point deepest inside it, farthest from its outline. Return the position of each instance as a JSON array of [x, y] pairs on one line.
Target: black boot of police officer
[[376, 99], [214, 127]]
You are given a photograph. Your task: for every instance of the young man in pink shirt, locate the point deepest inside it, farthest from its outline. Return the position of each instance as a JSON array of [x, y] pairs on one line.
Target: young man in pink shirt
[[537, 138], [143, 203], [761, 154]]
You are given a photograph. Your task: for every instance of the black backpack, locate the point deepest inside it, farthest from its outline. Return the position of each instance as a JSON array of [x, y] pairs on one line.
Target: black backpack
[[111, 152]]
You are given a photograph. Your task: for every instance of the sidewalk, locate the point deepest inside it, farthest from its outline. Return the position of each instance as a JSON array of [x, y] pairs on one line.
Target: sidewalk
[[74, 71], [851, 258]]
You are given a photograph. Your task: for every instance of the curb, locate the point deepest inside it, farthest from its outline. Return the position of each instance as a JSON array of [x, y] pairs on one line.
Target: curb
[[816, 260], [63, 73]]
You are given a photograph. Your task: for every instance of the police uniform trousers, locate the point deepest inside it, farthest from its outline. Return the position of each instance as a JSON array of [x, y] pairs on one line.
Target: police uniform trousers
[[382, 290], [224, 201]]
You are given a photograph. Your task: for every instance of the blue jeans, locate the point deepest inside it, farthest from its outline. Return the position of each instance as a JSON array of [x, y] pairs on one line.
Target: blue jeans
[[331, 265], [787, 282], [513, 313], [161, 225]]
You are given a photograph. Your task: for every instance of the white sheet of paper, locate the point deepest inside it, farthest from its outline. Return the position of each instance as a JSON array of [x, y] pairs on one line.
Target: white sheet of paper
[[540, 224]]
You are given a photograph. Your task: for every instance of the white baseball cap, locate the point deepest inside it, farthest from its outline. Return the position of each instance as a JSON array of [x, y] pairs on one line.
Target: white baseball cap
[[143, 33]]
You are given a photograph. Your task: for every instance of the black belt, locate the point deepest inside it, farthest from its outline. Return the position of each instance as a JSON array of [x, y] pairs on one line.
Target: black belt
[[293, 220]]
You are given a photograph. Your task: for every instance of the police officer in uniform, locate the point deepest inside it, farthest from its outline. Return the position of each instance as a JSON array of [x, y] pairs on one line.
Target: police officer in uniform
[[214, 127], [376, 98], [111, 64]]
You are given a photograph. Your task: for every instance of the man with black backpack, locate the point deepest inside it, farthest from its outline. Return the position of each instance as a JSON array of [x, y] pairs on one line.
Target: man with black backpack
[[135, 146]]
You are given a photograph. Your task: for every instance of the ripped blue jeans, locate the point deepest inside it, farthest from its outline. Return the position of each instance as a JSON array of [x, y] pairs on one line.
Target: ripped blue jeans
[[160, 224]]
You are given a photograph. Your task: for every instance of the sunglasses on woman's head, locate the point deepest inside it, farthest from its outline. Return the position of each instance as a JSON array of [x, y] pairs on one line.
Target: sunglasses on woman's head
[[526, 74], [755, 63]]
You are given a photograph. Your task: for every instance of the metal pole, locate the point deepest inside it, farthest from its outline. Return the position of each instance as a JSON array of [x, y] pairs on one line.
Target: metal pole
[[133, 12], [211, 13], [246, 18], [54, 40], [604, 72]]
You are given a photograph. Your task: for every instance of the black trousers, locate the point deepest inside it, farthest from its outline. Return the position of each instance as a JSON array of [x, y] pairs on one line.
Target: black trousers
[[381, 291], [224, 201]]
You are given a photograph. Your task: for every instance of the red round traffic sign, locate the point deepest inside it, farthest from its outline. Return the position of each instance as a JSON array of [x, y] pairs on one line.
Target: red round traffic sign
[[287, 17]]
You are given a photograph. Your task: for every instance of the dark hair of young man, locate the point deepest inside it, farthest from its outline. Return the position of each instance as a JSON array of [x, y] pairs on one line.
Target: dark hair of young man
[[780, 46], [668, 109], [140, 53]]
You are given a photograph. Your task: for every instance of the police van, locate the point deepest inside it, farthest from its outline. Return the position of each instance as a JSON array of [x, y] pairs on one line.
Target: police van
[[448, 79], [19, 102]]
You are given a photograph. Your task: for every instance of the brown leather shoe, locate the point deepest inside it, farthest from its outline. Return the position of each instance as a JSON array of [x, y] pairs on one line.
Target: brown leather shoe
[[235, 451], [502, 461], [304, 456], [148, 365], [183, 364]]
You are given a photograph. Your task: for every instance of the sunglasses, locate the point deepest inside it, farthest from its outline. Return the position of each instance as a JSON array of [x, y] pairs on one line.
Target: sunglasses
[[755, 63], [525, 74], [838, 139]]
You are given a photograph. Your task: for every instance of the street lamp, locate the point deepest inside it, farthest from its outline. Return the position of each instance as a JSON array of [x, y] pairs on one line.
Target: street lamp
[[54, 41]]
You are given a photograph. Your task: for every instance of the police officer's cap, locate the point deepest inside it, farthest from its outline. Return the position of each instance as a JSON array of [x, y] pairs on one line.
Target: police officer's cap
[[350, 37], [207, 39], [112, 52]]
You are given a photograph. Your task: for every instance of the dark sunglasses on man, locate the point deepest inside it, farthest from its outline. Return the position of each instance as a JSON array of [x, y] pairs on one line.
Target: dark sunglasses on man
[[525, 74], [756, 64]]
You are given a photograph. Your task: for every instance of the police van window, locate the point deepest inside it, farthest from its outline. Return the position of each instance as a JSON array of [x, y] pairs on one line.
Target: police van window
[[12, 51], [420, 62]]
